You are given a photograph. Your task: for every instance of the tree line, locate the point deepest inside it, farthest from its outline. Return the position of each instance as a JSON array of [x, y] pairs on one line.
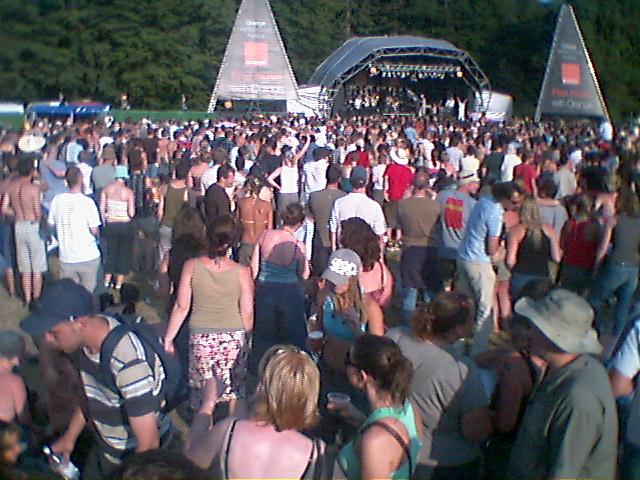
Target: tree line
[[158, 51]]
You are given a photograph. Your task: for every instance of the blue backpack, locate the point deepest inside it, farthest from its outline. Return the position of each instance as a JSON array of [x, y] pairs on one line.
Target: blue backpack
[[175, 388]]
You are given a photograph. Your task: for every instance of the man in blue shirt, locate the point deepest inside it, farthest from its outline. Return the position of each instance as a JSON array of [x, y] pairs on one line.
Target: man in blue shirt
[[479, 246]]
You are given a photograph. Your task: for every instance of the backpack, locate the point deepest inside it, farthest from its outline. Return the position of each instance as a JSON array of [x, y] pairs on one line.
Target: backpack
[[175, 383]]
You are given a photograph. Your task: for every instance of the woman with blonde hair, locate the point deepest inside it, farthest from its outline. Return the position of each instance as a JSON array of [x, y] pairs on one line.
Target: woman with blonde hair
[[531, 245], [285, 403], [345, 311]]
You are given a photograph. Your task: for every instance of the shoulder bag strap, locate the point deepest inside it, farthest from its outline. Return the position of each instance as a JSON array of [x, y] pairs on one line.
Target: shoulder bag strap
[[397, 437], [224, 457], [310, 461]]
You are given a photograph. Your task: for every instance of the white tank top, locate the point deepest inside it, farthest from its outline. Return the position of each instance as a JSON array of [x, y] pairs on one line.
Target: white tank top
[[117, 210], [289, 179]]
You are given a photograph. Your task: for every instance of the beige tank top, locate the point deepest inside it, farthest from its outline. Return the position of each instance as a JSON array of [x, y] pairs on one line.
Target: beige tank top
[[216, 300]]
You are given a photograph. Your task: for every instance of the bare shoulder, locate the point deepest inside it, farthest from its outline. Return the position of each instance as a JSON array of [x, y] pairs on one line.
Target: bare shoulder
[[517, 231], [12, 382], [548, 230], [378, 435]]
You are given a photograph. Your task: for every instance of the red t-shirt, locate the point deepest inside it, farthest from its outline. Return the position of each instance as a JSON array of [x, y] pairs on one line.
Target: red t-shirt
[[400, 178], [528, 173], [360, 157]]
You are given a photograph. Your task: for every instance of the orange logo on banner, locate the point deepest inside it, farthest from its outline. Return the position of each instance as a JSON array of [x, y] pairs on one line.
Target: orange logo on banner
[[256, 54], [453, 213], [571, 74]]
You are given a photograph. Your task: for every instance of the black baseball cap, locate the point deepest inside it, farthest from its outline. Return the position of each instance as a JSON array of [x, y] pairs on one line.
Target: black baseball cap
[[63, 301]]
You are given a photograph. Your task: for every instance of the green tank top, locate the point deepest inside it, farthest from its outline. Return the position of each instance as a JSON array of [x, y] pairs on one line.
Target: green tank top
[[348, 459], [173, 201]]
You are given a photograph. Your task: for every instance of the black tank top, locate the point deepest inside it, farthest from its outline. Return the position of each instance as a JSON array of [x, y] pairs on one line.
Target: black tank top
[[534, 254]]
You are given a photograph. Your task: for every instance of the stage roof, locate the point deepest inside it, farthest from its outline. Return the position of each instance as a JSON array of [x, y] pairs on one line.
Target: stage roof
[[354, 51]]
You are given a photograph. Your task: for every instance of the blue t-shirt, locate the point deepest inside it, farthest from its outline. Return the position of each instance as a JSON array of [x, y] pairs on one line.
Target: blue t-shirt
[[485, 221], [55, 185], [627, 361]]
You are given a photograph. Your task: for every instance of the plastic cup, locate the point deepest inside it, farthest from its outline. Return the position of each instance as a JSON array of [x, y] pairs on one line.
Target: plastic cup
[[338, 399], [315, 340]]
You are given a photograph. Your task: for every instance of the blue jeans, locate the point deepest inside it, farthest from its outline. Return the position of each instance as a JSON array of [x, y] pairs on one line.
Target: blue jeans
[[279, 318], [519, 280], [619, 279], [409, 301], [630, 463]]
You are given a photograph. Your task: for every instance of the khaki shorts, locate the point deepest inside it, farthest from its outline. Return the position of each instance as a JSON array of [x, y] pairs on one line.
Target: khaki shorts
[[31, 252]]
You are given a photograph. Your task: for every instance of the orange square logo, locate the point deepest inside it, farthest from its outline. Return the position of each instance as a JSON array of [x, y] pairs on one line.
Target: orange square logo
[[256, 54], [571, 74]]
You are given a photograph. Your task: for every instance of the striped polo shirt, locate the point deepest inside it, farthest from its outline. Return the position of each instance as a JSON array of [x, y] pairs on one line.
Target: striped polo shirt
[[141, 393]]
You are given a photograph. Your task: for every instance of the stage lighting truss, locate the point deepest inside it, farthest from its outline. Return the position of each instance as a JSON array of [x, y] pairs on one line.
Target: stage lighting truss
[[416, 72]]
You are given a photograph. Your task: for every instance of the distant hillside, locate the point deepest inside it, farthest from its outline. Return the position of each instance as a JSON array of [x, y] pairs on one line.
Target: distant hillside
[[156, 51]]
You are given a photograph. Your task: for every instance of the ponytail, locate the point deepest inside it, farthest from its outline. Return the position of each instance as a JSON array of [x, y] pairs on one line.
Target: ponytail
[[382, 359]]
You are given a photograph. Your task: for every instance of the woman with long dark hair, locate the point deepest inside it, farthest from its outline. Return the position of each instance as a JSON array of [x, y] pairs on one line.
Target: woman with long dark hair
[[388, 439], [279, 264], [375, 277], [219, 293]]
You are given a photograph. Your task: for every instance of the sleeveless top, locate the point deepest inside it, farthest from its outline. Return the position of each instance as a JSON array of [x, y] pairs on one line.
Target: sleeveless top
[[533, 375], [289, 179], [335, 324], [117, 210], [315, 469], [534, 255], [626, 241], [348, 459], [378, 292], [173, 201], [580, 252], [215, 307], [275, 273]]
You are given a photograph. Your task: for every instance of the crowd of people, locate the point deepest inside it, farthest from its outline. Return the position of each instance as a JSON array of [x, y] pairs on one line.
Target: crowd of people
[[367, 297]]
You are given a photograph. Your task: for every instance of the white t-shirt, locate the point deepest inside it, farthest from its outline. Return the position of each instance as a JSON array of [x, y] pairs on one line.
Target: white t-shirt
[[315, 176], [209, 177], [427, 147], [289, 179], [86, 177], [511, 161], [357, 205], [73, 215], [377, 176], [469, 163]]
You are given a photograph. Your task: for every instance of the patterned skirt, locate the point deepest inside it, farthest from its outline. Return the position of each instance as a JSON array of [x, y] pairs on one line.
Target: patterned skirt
[[223, 355]]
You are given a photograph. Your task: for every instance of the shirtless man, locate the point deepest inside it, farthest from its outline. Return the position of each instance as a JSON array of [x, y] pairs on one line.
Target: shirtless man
[[8, 245], [256, 216], [23, 200], [13, 393]]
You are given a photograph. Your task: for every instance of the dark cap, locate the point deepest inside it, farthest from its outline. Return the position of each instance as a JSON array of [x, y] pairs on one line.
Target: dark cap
[[358, 176], [63, 301], [11, 344], [320, 153]]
